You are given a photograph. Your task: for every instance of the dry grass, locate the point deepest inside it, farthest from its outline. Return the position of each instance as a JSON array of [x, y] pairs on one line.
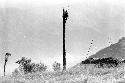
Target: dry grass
[[88, 74]]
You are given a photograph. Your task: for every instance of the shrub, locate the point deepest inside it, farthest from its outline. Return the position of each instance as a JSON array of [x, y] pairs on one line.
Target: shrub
[[26, 66], [56, 66], [39, 67]]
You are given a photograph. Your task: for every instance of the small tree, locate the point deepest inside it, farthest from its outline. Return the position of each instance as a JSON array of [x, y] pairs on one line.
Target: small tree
[[56, 66], [25, 64]]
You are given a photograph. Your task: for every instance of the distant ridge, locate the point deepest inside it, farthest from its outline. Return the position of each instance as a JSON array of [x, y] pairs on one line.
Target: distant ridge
[[116, 50]]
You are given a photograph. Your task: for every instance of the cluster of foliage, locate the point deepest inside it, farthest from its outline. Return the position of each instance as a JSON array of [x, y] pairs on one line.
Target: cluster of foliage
[[101, 62], [56, 66], [26, 66], [39, 67]]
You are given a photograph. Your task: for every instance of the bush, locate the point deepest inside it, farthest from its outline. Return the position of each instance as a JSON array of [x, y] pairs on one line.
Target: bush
[[39, 67], [26, 66], [56, 66]]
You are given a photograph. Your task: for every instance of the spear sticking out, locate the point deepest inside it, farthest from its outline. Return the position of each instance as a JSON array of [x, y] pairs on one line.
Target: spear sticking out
[[65, 16]]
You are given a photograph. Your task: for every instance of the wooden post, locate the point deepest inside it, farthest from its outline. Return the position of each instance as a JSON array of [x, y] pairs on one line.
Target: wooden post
[[6, 59], [5, 66], [65, 16]]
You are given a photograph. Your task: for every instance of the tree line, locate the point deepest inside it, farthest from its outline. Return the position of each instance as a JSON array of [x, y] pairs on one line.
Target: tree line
[[103, 62]]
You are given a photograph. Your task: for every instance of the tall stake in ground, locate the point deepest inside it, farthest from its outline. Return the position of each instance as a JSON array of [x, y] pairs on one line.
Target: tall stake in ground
[[6, 59], [65, 16]]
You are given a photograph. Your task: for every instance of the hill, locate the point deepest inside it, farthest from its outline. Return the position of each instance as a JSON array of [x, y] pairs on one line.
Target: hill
[[116, 50]]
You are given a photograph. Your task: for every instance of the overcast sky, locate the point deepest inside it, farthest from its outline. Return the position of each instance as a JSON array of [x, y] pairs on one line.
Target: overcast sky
[[33, 28]]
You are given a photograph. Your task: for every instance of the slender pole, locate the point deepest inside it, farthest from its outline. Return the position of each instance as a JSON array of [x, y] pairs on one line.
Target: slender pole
[[64, 50], [5, 66], [65, 15], [6, 59]]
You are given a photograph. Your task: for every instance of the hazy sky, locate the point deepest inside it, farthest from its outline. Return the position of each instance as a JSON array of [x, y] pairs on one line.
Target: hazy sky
[[33, 28]]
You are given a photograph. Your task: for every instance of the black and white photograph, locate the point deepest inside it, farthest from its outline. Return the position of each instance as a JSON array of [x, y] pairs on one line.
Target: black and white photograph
[[62, 41]]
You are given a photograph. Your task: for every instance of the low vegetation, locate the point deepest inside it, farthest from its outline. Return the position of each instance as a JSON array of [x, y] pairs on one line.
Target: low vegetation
[[81, 73], [103, 62], [26, 66]]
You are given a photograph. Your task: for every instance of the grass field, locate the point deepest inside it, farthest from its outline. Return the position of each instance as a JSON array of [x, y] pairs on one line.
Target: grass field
[[77, 74]]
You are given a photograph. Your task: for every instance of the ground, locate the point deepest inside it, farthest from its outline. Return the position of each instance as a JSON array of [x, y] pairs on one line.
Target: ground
[[77, 74]]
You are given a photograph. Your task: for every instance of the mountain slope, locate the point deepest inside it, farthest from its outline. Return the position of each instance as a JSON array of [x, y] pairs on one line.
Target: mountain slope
[[116, 50]]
